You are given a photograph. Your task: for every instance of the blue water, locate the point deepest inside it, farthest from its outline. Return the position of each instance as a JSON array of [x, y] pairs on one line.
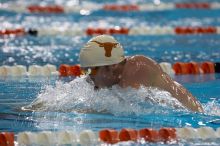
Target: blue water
[[27, 50]]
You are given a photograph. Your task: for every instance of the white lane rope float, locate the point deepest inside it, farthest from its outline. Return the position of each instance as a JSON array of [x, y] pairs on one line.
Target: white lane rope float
[[33, 70]]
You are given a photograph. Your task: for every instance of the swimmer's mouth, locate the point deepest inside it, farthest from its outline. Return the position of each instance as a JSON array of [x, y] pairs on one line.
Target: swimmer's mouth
[[96, 87]]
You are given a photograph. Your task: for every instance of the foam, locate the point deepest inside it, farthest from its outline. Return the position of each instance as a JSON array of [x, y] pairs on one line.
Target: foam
[[79, 96], [212, 108]]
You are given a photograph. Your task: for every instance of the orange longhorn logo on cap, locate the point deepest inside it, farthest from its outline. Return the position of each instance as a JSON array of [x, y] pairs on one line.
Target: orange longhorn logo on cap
[[107, 46]]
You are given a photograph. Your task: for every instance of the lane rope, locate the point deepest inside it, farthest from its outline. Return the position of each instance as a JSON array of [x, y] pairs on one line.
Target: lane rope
[[110, 136], [64, 70], [107, 7], [142, 30]]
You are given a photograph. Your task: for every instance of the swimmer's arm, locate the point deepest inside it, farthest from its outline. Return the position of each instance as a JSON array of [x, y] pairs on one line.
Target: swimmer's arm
[[140, 70], [179, 92]]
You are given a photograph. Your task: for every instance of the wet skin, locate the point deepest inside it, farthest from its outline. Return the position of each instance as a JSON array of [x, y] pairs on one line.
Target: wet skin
[[139, 70]]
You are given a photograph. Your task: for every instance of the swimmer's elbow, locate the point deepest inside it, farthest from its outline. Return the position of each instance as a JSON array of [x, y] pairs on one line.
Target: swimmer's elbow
[[200, 109], [197, 108]]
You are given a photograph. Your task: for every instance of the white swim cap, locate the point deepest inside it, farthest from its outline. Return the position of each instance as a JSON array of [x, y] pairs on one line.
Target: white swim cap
[[101, 50]]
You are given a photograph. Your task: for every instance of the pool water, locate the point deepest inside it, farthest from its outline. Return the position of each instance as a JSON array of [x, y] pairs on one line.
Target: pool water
[[69, 103]]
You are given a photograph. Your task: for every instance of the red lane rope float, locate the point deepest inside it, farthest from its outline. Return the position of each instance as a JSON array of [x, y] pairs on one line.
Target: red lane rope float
[[113, 7], [127, 134], [75, 70], [3, 141], [164, 135], [6, 139], [180, 68], [193, 5], [109, 136], [63, 69], [45, 9], [67, 70], [193, 68], [148, 134], [208, 67], [186, 68], [167, 134], [17, 32], [10, 138], [98, 31], [195, 30]]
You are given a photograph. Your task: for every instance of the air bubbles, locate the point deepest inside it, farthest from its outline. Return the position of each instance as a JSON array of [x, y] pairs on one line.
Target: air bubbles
[[212, 108]]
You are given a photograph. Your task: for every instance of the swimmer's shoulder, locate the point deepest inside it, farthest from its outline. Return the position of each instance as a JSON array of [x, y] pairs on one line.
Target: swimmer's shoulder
[[140, 59], [139, 70]]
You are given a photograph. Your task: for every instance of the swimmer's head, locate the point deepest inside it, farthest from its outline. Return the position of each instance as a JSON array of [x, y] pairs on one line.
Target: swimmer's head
[[100, 51]]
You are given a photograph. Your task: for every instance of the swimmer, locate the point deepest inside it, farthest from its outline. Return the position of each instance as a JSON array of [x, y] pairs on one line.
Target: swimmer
[[103, 58]]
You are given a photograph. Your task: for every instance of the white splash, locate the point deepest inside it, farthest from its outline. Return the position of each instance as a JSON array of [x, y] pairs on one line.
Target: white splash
[[80, 96], [212, 108]]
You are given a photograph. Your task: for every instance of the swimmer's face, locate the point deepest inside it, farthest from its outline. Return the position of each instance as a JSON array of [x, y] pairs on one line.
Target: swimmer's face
[[104, 76]]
